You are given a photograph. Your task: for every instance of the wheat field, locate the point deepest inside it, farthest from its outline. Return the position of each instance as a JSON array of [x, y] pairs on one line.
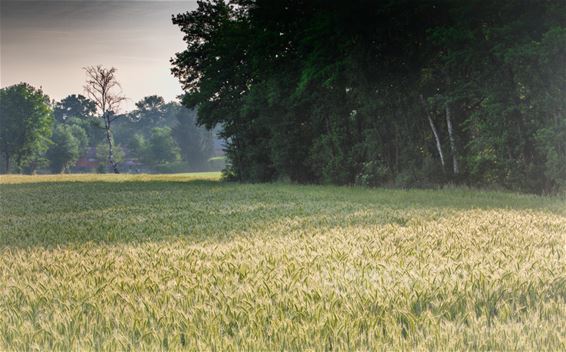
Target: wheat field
[[186, 262]]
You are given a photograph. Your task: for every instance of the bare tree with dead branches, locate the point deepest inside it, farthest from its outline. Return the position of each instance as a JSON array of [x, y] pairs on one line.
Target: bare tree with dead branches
[[103, 88]]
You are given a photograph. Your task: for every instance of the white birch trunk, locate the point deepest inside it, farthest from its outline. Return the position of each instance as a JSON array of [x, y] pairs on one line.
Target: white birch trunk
[[453, 150], [434, 131], [111, 161]]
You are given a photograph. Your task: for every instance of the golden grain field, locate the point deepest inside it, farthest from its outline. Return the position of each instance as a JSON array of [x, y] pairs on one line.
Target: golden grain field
[[150, 262]]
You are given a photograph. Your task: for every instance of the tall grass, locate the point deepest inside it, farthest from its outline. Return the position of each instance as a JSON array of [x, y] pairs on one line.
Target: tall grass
[[186, 262]]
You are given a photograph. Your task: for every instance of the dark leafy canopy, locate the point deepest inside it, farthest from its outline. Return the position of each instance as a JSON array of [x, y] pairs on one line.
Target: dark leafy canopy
[[25, 125], [74, 106], [77, 110], [410, 92], [149, 111]]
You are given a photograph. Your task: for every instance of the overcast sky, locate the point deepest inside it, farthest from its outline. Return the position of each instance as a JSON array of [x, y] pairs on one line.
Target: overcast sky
[[46, 43]]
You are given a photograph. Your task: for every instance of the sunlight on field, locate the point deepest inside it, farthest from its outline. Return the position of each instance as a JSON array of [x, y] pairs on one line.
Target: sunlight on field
[[186, 262], [14, 179]]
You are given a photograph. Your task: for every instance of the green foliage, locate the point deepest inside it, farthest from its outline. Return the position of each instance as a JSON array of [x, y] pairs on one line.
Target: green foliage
[[373, 174], [102, 153], [184, 262], [138, 147], [77, 110], [74, 106], [141, 130], [67, 144], [195, 143], [552, 143], [326, 91], [25, 125], [150, 112], [162, 147], [150, 109]]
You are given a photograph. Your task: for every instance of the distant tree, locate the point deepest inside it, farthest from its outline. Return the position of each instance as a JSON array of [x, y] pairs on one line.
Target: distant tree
[[36, 160], [195, 143], [80, 111], [150, 109], [25, 123], [162, 146], [74, 105], [138, 146], [102, 152], [100, 87], [150, 112], [80, 134], [68, 143]]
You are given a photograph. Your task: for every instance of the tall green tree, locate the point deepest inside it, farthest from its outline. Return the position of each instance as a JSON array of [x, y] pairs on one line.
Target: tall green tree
[[25, 124], [410, 92], [150, 110], [68, 142], [74, 105], [80, 111], [162, 147]]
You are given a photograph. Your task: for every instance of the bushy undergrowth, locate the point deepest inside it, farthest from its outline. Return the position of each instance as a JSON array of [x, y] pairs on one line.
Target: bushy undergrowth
[[186, 262]]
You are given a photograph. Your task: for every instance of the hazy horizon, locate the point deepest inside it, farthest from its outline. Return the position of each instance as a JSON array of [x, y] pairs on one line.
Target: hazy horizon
[[47, 43]]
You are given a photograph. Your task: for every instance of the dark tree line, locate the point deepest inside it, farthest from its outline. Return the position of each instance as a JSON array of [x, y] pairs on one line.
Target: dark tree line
[[406, 92]]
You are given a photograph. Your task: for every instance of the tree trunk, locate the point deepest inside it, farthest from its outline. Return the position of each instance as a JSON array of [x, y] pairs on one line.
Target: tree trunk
[[111, 162], [434, 131], [453, 150]]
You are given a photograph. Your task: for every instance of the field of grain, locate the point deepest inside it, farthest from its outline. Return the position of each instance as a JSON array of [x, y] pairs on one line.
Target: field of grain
[[187, 262]]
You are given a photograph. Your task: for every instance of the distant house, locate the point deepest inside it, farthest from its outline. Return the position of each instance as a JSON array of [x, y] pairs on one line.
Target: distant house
[[88, 160]]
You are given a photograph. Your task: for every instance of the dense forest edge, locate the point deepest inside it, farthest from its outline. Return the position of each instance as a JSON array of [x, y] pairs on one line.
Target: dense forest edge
[[405, 93], [392, 93]]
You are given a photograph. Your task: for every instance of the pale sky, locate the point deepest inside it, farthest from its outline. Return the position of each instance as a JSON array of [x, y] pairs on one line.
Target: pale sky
[[46, 43]]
